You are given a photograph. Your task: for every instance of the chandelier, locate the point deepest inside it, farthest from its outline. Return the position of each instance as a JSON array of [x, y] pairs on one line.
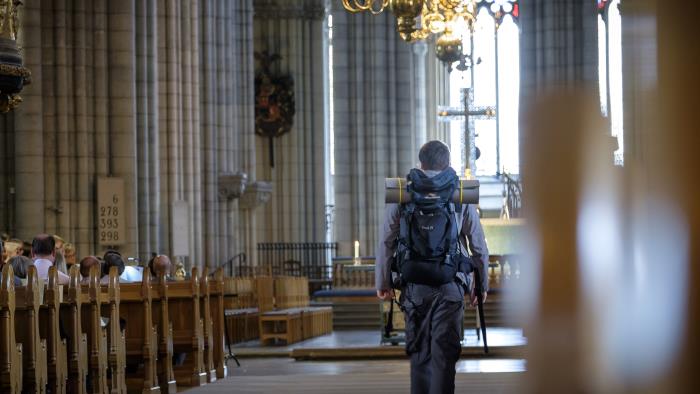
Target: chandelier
[[449, 20], [13, 75], [416, 20]]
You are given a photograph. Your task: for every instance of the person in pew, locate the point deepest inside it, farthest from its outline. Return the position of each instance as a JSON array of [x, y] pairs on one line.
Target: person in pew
[[127, 274], [112, 258], [44, 256], [13, 247], [20, 266], [86, 264], [158, 264], [70, 255], [60, 261]]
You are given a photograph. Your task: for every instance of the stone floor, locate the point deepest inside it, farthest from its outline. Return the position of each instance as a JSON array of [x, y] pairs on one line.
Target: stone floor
[[497, 337], [271, 370], [284, 375]]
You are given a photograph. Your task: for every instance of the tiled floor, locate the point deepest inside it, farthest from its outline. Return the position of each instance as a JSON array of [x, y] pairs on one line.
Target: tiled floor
[[359, 339]]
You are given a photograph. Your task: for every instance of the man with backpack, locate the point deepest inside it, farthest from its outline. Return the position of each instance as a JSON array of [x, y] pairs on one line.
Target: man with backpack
[[422, 253]]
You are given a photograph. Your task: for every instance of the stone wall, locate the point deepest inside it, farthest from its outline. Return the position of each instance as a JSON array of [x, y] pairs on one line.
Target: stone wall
[[157, 92]]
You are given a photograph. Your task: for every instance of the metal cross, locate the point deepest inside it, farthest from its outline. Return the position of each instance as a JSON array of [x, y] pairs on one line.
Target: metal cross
[[469, 112]]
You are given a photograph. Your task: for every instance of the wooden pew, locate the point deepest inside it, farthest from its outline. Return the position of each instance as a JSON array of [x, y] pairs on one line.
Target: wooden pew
[[71, 321], [96, 333], [292, 319], [141, 343], [116, 354], [208, 332], [240, 309], [161, 319], [28, 301], [56, 359], [188, 336], [276, 323], [216, 302], [10, 350]]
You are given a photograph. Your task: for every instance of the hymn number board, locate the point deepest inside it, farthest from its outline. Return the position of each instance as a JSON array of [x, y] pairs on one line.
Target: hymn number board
[[110, 211]]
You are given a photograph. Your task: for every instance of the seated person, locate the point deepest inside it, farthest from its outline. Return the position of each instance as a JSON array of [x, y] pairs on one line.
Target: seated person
[[69, 254], [159, 264], [86, 264], [13, 248], [112, 258], [131, 274], [20, 266], [44, 255]]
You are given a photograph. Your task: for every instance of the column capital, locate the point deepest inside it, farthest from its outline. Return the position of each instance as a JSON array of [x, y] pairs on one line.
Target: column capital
[[256, 193]]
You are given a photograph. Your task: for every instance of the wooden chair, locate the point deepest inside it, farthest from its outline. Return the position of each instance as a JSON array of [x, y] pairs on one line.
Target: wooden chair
[[283, 322], [10, 350], [161, 318], [28, 300], [77, 350], [187, 332], [96, 333], [141, 342], [49, 316]]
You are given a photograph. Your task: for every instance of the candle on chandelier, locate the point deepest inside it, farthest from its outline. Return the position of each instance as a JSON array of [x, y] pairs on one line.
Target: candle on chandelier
[[357, 252]]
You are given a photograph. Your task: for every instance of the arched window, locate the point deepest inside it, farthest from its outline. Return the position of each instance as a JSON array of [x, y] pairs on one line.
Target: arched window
[[610, 70], [495, 82]]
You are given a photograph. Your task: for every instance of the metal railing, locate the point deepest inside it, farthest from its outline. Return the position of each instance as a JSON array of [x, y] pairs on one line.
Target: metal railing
[[310, 259], [513, 191]]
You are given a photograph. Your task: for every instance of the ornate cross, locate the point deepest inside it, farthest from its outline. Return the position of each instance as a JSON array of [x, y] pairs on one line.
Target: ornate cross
[[469, 112]]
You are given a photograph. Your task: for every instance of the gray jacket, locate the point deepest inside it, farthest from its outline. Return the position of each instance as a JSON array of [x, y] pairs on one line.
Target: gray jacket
[[471, 229]]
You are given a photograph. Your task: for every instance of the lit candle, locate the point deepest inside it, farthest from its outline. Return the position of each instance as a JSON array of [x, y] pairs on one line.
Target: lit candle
[[357, 251]]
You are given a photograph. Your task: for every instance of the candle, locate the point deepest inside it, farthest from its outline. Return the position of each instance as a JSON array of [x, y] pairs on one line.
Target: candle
[[357, 249]]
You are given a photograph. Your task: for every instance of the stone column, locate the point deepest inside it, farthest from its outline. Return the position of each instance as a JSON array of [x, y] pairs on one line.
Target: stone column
[[28, 129], [558, 46], [295, 30], [375, 128]]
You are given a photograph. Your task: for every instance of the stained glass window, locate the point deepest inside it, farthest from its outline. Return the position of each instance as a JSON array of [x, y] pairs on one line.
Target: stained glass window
[[495, 81], [610, 70]]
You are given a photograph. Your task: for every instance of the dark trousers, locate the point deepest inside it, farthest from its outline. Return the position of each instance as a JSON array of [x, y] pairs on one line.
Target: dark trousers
[[433, 333]]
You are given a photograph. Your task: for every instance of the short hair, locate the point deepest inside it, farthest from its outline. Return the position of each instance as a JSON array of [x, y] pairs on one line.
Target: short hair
[[434, 155], [43, 245], [20, 266], [112, 258], [158, 263], [86, 264]]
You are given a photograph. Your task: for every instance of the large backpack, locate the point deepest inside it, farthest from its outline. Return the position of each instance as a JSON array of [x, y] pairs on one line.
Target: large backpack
[[428, 251]]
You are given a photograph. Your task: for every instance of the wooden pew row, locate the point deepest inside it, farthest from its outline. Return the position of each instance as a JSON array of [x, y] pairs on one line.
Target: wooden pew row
[[216, 310], [10, 350], [164, 328], [94, 351], [56, 346], [28, 300], [240, 309], [141, 339], [183, 300], [96, 333], [292, 320]]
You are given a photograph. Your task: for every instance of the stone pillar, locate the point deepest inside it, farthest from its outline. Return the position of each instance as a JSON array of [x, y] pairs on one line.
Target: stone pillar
[[295, 30], [558, 46], [28, 130], [375, 128]]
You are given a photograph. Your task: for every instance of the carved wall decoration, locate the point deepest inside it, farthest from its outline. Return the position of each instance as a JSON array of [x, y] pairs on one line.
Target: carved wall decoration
[[274, 102]]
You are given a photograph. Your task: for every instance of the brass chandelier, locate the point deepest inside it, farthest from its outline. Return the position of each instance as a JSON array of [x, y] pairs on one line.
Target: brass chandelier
[[417, 20]]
